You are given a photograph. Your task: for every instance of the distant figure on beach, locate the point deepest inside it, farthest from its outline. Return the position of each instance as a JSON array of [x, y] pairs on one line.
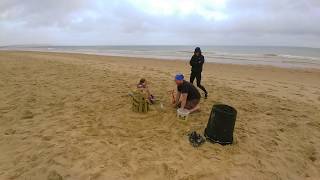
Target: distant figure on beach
[[188, 96], [196, 63], [142, 86]]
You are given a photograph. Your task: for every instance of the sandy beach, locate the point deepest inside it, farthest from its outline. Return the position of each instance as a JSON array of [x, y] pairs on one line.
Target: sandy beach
[[70, 114]]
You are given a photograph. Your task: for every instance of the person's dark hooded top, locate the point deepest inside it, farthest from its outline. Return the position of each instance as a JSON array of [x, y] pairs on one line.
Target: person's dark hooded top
[[197, 61]]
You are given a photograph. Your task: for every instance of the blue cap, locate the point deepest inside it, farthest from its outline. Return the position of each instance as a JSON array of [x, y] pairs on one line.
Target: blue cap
[[179, 77]]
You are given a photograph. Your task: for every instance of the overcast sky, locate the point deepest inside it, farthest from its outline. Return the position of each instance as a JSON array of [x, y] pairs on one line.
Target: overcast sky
[[160, 22]]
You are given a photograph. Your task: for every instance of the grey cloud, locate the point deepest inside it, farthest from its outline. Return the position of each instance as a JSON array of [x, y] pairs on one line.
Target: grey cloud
[[40, 12], [266, 22]]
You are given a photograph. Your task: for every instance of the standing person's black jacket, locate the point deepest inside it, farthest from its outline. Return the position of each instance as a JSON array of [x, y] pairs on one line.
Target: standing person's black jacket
[[197, 63]]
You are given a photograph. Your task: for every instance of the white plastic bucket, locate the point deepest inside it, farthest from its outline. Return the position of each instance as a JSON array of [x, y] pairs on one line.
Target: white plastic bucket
[[183, 114]]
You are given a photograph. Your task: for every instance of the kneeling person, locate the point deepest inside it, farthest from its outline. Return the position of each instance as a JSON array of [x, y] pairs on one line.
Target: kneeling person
[[188, 96]]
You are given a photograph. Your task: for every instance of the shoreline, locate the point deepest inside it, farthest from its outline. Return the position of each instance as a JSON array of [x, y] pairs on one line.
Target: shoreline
[[291, 66]]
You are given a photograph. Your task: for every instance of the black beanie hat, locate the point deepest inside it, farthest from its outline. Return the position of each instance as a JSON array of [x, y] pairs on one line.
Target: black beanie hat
[[197, 50]]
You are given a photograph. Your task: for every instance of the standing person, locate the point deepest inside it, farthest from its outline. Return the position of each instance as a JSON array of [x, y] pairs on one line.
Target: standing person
[[196, 63], [188, 96]]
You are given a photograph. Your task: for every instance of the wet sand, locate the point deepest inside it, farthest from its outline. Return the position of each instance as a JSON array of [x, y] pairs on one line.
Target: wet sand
[[70, 114]]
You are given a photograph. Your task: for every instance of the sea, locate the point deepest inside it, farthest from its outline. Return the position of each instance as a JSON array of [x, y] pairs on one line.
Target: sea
[[287, 57]]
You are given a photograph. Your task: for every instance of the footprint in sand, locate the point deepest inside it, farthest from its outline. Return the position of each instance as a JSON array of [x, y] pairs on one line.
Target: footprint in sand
[[292, 125], [53, 175], [46, 138], [92, 132], [27, 115], [300, 95], [10, 132], [311, 151], [313, 124], [285, 109]]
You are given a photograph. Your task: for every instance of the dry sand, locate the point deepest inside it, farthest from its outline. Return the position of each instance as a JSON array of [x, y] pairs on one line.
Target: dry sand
[[69, 114]]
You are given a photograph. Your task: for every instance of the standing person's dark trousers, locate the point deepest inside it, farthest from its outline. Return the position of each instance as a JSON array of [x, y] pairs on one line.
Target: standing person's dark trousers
[[197, 75]]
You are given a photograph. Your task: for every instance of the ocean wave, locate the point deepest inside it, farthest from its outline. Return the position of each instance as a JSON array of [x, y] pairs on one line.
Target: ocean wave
[[183, 54], [299, 57], [270, 55]]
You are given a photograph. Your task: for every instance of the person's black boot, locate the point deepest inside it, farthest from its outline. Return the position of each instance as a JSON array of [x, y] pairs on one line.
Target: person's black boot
[[204, 90]]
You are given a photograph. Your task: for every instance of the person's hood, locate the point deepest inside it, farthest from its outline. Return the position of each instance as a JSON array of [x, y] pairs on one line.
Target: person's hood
[[197, 50]]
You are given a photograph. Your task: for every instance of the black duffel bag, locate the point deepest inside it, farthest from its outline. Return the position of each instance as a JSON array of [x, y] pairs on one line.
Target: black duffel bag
[[221, 124]]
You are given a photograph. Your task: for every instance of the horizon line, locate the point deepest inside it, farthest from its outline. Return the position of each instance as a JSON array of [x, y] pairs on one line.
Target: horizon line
[[137, 45]]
